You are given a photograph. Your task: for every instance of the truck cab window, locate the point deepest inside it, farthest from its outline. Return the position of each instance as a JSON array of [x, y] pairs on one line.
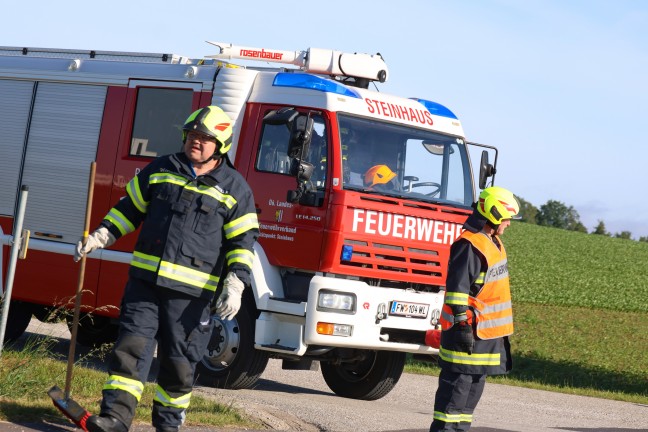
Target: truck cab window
[[318, 152], [159, 116], [273, 151], [395, 160]]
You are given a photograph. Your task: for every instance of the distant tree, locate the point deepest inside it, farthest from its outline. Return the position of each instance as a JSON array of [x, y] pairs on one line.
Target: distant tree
[[600, 229], [528, 211], [578, 226], [643, 239], [556, 214], [624, 235]]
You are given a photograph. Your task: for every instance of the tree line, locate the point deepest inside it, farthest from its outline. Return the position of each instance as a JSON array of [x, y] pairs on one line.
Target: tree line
[[558, 215]]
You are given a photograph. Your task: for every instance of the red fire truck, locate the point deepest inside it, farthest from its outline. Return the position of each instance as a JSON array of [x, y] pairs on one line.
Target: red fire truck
[[359, 195]]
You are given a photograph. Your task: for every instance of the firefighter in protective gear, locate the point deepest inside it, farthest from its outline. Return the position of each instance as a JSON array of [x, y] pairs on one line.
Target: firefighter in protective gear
[[197, 218], [477, 317]]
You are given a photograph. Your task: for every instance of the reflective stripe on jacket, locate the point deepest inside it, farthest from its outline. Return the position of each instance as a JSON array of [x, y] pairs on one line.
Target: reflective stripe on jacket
[[190, 226], [491, 306]]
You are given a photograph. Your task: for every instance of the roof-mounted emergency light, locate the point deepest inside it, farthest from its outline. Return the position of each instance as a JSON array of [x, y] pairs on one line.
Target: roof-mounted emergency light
[[436, 108], [362, 67], [312, 82]]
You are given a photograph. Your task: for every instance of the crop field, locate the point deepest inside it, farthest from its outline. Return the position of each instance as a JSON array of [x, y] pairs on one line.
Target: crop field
[[567, 268]]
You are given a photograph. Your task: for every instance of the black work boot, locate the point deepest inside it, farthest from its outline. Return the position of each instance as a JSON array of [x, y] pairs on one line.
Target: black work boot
[[105, 424], [166, 429]]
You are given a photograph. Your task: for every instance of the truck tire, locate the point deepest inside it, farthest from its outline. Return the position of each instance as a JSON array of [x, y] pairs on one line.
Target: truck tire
[[20, 313], [368, 379], [231, 361], [94, 330], [46, 314]]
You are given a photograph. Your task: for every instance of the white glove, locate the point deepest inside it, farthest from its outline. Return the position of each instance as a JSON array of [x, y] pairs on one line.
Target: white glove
[[101, 238], [229, 302]]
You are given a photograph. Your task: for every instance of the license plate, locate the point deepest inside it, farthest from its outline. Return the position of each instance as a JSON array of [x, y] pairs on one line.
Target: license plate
[[406, 309]]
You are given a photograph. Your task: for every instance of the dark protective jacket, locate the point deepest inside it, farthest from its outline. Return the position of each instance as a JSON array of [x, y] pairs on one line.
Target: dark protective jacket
[[468, 270], [191, 225]]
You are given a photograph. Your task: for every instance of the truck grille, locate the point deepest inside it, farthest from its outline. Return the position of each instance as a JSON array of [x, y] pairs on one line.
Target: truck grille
[[394, 258], [412, 251]]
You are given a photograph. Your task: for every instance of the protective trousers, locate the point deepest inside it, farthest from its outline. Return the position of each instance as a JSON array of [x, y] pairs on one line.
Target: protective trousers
[[182, 326], [455, 401]]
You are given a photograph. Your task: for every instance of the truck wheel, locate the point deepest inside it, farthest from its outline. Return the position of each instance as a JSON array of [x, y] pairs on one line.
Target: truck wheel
[[231, 361], [20, 313], [46, 314], [94, 330], [367, 379]]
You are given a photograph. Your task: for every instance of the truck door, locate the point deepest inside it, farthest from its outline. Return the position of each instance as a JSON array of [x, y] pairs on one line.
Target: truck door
[[151, 126], [291, 233]]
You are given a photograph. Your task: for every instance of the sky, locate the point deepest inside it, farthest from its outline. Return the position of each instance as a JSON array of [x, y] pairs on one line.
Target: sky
[[560, 87]]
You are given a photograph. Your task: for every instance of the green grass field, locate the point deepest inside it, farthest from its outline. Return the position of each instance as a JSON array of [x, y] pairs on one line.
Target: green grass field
[[580, 310]]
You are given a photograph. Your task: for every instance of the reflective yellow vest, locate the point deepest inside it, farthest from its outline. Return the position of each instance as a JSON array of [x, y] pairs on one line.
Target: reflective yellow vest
[[491, 308]]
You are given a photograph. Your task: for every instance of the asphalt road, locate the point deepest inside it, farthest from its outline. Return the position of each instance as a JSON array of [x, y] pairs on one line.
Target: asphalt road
[[302, 397], [301, 401]]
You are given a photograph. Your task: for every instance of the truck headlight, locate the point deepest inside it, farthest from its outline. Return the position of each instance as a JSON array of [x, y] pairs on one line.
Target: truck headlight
[[334, 301]]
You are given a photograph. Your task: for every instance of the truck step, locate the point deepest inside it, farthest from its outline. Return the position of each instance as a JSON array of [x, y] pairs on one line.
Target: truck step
[[301, 364], [277, 347]]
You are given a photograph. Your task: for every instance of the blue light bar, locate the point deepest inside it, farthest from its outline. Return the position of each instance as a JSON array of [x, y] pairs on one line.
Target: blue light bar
[[436, 109], [312, 82], [347, 253]]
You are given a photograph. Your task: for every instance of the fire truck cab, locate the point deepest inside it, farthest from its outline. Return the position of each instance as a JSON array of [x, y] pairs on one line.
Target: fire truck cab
[[359, 195]]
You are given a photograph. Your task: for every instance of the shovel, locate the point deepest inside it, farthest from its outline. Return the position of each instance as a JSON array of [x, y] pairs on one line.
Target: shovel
[[61, 399]]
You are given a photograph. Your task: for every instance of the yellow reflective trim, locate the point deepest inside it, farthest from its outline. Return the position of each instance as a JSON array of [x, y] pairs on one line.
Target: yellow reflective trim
[[122, 223], [116, 382], [480, 278], [135, 194], [226, 199], [456, 298], [460, 357], [238, 226], [167, 178], [163, 397], [448, 418], [242, 256], [188, 276], [467, 418], [144, 261]]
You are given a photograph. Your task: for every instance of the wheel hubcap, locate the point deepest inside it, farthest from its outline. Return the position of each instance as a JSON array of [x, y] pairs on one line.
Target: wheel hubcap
[[223, 345]]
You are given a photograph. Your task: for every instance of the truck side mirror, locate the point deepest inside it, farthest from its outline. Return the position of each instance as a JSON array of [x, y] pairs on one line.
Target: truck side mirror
[[302, 170], [281, 116], [301, 132], [485, 170], [304, 194]]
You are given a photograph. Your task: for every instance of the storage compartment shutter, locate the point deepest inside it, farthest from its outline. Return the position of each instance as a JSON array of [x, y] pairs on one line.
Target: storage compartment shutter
[[15, 101], [62, 142]]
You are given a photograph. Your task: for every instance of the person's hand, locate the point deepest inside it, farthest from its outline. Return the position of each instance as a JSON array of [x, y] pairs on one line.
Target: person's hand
[[101, 238], [463, 336], [229, 302]]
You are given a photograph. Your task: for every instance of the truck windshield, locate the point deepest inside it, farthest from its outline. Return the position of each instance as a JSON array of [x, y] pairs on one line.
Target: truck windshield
[[394, 160]]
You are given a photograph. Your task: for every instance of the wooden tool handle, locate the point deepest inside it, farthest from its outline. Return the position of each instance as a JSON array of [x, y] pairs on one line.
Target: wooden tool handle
[[79, 289]]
